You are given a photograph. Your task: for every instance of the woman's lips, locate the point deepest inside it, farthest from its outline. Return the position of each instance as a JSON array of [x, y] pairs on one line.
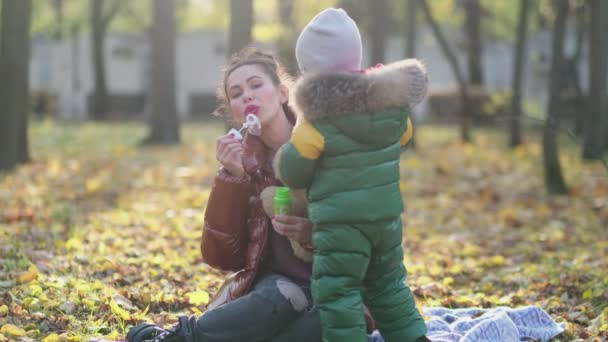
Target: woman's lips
[[251, 109]]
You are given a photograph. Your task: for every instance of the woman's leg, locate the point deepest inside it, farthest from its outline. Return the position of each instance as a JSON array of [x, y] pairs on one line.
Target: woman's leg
[[274, 303], [305, 328]]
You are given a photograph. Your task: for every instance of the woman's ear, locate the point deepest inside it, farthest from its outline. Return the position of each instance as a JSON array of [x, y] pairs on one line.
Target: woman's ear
[[284, 93]]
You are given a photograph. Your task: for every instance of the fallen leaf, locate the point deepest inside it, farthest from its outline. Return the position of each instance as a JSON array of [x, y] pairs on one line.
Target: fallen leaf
[[12, 330], [198, 298], [29, 275], [51, 338], [120, 312], [123, 302]]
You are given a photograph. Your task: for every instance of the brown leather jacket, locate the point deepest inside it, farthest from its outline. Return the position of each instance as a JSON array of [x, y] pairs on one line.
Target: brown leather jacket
[[235, 234]]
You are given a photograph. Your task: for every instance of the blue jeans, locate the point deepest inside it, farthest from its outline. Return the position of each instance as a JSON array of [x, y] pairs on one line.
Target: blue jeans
[[275, 310]]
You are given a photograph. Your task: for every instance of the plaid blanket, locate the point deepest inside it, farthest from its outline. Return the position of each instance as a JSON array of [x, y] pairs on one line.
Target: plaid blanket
[[504, 324]]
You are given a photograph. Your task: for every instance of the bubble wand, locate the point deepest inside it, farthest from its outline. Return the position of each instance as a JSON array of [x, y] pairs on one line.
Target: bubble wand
[[252, 124]]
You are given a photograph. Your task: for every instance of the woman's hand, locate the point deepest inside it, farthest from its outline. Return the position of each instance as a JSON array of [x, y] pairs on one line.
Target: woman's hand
[[296, 228], [229, 151]]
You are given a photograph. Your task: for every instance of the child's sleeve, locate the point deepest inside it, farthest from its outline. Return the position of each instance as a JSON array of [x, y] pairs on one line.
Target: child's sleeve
[[296, 161]]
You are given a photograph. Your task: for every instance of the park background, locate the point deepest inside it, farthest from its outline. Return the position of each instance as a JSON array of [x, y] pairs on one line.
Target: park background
[[107, 154]]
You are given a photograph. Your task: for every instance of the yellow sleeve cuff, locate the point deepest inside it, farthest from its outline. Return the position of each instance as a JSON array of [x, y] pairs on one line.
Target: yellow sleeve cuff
[[409, 132], [307, 140]]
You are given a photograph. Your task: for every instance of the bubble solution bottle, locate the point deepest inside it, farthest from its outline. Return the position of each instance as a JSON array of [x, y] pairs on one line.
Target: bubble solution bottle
[[282, 201]]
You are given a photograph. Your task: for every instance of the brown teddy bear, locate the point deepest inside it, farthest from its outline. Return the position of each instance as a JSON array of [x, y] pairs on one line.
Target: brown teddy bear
[[299, 207]]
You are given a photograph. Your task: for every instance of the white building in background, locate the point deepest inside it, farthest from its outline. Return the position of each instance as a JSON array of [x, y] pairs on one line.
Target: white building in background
[[64, 69]]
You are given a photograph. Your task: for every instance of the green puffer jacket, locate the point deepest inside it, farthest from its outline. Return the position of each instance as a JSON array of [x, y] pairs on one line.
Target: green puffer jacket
[[345, 147], [345, 151]]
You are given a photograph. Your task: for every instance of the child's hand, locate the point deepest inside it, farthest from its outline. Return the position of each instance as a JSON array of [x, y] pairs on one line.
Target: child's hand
[[293, 227], [229, 152]]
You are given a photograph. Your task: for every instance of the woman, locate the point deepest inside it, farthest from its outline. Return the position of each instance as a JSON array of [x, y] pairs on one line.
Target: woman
[[268, 299]]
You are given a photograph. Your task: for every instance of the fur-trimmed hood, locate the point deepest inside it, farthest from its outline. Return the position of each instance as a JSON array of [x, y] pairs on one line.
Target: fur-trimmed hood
[[399, 84], [371, 108]]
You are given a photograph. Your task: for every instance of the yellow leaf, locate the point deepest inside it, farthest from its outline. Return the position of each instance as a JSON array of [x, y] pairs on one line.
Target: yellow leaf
[[169, 298], [119, 151], [588, 294], [470, 250], [424, 280], [557, 236], [120, 312], [83, 289], [497, 260], [36, 290], [98, 285], [73, 243], [435, 270], [140, 316], [94, 184], [29, 275], [3, 310], [54, 167], [196, 311], [32, 304], [114, 335], [51, 338], [198, 298], [90, 303], [447, 281], [12, 330], [3, 338], [456, 269]]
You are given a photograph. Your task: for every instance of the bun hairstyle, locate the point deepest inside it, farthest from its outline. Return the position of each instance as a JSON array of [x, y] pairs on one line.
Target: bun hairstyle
[[269, 65]]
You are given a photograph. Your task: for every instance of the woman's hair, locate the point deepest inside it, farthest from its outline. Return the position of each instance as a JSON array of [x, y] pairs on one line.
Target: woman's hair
[[269, 65]]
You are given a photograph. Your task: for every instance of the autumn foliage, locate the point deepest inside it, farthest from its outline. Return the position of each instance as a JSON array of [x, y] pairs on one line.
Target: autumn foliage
[[97, 234]]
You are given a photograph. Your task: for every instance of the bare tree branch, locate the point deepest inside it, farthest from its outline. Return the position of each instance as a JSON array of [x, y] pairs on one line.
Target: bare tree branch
[[458, 74], [117, 5]]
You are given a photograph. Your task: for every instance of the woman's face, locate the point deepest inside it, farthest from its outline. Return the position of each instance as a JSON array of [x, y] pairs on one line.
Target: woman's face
[[251, 90]]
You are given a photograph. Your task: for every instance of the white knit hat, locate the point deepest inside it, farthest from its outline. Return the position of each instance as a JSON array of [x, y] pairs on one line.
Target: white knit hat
[[330, 42]]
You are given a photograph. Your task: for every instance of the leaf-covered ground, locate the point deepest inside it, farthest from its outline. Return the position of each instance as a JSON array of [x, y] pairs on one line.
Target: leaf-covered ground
[[97, 234]]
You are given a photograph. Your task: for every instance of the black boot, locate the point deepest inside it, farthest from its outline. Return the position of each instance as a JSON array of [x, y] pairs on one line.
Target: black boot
[[183, 331], [144, 332]]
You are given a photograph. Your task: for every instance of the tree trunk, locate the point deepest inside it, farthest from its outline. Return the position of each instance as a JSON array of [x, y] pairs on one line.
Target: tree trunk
[[598, 69], [58, 8], [410, 44], [14, 94], [606, 136], [163, 121], [465, 126], [554, 181], [241, 23], [473, 33], [378, 10], [98, 36], [573, 74], [518, 69], [287, 39]]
